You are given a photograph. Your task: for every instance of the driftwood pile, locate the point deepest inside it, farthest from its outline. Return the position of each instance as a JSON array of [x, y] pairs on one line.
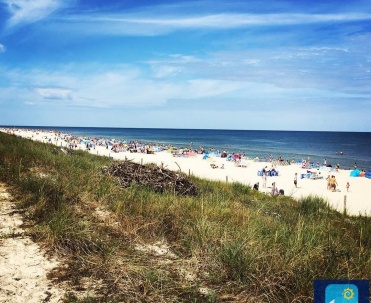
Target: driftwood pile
[[151, 176]]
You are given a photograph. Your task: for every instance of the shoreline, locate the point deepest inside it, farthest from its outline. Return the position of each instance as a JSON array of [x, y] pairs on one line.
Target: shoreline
[[335, 148], [246, 172]]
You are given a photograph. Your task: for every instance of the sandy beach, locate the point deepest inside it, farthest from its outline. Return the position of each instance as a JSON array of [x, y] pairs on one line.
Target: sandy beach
[[357, 199]]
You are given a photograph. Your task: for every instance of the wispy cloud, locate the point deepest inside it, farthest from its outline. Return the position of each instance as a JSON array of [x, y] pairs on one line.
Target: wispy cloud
[[132, 24], [289, 67], [159, 20], [2, 48], [54, 93], [240, 20], [129, 87], [25, 11]]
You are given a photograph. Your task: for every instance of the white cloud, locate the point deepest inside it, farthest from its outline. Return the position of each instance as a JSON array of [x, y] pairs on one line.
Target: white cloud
[[94, 86], [134, 24], [122, 87], [234, 20], [164, 71], [185, 59], [54, 93], [29, 11], [157, 20], [2, 48]]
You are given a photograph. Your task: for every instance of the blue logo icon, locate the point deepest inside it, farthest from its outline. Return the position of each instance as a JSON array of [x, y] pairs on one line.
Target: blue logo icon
[[341, 293]]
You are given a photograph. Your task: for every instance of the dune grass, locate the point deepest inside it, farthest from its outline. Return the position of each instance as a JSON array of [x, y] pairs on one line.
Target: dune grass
[[229, 244]]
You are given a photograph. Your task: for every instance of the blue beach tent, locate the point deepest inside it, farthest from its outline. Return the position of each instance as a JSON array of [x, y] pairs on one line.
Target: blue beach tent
[[355, 173]]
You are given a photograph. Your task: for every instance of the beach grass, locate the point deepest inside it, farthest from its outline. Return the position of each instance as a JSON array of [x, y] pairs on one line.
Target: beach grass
[[228, 244]]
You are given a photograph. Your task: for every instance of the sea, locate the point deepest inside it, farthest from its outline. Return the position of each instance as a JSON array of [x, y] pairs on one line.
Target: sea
[[345, 148]]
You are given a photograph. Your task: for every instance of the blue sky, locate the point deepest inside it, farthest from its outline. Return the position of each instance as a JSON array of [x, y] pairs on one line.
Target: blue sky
[[276, 65]]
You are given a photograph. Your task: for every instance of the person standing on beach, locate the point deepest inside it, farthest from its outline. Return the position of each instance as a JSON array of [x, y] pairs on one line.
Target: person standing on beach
[[347, 186], [328, 179], [333, 183], [264, 177], [296, 180], [274, 191]]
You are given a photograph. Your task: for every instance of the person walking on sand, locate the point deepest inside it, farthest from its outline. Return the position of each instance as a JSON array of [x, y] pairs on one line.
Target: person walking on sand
[[347, 186], [333, 183], [296, 180]]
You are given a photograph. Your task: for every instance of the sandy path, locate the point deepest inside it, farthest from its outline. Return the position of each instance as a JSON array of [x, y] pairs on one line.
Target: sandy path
[[23, 266]]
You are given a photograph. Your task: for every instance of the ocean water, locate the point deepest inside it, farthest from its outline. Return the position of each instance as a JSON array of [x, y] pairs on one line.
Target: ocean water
[[355, 146]]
